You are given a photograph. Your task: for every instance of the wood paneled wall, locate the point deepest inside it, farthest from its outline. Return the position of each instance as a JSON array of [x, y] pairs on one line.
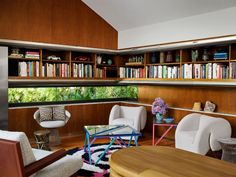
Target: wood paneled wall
[[69, 22], [21, 119], [185, 96]]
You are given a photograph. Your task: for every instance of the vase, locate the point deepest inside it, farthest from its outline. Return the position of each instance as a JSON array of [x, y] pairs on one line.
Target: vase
[[99, 59], [159, 117]]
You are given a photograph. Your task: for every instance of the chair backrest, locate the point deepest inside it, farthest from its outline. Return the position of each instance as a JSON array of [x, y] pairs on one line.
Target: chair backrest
[[26, 150], [130, 112], [37, 116], [11, 162], [189, 122]]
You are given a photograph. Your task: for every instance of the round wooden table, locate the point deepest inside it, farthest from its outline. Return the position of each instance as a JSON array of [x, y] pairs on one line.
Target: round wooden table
[[42, 139], [147, 161]]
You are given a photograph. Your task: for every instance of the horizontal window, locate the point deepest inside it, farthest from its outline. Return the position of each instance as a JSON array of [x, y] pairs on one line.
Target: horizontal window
[[67, 94]]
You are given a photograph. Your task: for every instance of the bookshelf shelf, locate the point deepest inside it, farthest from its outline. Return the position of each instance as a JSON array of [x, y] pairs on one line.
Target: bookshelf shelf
[[184, 109], [205, 62], [56, 61], [23, 59], [84, 62], [157, 64]]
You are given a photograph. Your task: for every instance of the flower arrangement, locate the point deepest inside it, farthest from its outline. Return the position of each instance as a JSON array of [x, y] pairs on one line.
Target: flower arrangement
[[159, 107]]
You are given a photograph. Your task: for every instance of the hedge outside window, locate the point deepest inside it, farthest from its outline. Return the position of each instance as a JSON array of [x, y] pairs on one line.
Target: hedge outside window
[[52, 94]]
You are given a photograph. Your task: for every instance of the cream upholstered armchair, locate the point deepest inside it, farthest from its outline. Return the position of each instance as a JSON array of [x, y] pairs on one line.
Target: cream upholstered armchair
[[199, 133], [133, 116], [18, 159], [52, 124]]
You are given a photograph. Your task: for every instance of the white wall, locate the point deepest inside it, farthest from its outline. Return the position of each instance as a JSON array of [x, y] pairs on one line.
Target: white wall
[[213, 24]]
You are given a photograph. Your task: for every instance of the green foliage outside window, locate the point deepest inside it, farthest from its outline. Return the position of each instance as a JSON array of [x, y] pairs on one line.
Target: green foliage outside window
[[27, 95]]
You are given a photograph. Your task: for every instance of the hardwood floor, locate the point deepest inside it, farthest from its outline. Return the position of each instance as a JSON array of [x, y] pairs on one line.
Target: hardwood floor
[[78, 141]]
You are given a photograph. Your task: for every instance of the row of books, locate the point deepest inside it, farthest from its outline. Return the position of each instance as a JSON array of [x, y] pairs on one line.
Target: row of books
[[28, 69], [170, 72], [82, 70], [205, 71], [131, 72], [56, 70], [100, 73], [232, 70]]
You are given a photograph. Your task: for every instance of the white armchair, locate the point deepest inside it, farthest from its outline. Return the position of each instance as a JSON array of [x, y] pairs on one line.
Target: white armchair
[[18, 159], [135, 117], [199, 133]]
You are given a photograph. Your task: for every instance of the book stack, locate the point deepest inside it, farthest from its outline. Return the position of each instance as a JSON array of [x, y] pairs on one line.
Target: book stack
[[34, 55], [220, 56], [131, 72], [232, 70], [55, 70], [187, 72], [28, 69], [16, 55], [101, 73], [161, 72], [82, 70], [210, 71]]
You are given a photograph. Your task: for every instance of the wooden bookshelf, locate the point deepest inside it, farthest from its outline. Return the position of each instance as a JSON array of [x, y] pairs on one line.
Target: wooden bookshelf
[[137, 65]]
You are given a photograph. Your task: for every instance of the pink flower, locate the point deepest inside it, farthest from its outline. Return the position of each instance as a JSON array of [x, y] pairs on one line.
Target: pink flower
[[159, 106]]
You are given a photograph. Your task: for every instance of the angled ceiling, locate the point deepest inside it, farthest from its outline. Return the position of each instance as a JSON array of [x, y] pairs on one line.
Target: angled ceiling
[[127, 14]]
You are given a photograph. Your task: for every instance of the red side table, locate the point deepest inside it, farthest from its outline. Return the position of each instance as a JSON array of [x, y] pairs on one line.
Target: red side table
[[161, 124]]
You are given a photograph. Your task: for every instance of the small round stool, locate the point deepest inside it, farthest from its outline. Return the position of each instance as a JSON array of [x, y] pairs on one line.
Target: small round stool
[[228, 149], [42, 139]]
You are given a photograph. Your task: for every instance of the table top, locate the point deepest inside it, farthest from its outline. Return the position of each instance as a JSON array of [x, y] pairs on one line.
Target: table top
[[111, 130], [163, 161], [229, 141]]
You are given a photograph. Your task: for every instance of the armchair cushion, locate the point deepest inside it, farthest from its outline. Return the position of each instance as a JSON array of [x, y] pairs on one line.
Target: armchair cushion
[[52, 124], [66, 166], [59, 113], [123, 121], [45, 114], [27, 153]]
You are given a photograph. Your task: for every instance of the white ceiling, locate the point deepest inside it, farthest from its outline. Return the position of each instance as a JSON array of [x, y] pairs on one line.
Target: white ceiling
[[127, 14]]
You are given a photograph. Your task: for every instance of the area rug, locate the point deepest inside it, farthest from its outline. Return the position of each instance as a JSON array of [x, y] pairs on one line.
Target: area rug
[[102, 169]]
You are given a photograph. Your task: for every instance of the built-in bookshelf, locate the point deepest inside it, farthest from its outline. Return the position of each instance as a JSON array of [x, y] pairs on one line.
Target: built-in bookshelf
[[197, 63]]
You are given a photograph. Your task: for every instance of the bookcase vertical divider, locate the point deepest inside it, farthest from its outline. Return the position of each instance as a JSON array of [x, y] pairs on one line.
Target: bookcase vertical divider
[[40, 62], [94, 56], [180, 63], [230, 57], [95, 65], [70, 65], [145, 63]]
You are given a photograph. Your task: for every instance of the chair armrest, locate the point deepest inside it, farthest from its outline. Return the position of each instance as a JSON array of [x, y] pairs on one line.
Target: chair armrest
[[40, 164], [68, 115], [114, 114], [37, 116]]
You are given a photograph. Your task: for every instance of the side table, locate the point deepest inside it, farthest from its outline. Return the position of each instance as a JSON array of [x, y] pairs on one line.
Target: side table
[[42, 139], [155, 123], [228, 149]]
